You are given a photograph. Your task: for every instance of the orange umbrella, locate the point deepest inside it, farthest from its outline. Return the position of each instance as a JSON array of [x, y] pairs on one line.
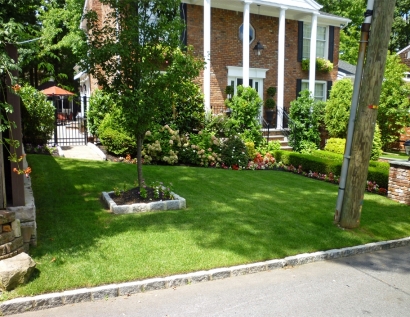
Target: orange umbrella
[[56, 91]]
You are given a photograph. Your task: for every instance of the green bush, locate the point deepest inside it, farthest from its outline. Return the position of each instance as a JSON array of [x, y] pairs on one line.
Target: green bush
[[100, 104], [233, 152], [305, 120], [337, 108], [37, 116], [113, 137], [336, 145], [377, 144], [378, 171], [244, 119], [327, 155]]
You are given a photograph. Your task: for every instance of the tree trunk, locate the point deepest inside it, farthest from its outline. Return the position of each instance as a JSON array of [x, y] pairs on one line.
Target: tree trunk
[[140, 139], [367, 113]]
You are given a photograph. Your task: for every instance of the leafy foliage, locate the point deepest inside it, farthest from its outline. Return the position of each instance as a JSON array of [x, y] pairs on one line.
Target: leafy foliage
[[336, 145], [244, 120], [393, 112], [37, 116], [377, 145], [337, 108], [306, 116], [234, 152], [322, 65], [100, 104], [128, 55]]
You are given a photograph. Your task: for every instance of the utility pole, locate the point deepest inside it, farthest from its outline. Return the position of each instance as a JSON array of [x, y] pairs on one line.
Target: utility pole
[[369, 98]]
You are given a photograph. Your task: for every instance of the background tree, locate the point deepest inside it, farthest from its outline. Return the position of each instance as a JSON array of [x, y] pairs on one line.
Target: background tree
[[393, 113], [128, 55], [338, 107]]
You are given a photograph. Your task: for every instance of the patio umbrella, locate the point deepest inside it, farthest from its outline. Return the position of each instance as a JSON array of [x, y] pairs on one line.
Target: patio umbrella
[[56, 91]]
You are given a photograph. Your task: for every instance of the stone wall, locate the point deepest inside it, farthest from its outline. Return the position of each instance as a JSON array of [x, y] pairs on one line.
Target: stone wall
[[399, 182], [11, 239]]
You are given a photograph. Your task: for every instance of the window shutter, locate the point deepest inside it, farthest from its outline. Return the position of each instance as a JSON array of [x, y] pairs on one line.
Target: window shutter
[[298, 87], [329, 88], [300, 41], [331, 42], [183, 14]]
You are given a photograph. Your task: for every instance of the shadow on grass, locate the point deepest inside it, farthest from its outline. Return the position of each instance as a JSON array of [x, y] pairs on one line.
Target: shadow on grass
[[232, 217]]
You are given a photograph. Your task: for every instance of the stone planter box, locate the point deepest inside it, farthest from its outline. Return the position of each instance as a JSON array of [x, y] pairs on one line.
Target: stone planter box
[[177, 203]]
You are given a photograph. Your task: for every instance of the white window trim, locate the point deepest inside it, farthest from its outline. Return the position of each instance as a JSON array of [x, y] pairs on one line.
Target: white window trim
[[322, 82], [326, 44], [239, 33]]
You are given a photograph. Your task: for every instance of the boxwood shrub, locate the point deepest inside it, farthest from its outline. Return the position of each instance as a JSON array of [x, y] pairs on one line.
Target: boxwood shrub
[[378, 171]]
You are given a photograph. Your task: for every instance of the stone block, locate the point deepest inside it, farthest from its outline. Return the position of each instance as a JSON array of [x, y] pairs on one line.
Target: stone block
[[154, 284], [103, 292], [256, 267], [130, 288], [48, 301], [198, 277], [6, 228], [6, 237], [16, 306], [11, 246], [177, 280], [15, 226], [77, 296], [172, 204], [239, 270], [275, 264], [16, 270], [7, 216], [221, 273], [158, 205]]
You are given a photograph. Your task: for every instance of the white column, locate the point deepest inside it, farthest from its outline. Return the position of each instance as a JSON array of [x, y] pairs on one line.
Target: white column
[[281, 68], [207, 54], [312, 55], [245, 42]]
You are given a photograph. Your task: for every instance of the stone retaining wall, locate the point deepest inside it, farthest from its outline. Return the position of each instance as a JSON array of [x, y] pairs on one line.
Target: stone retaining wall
[[399, 182], [11, 239]]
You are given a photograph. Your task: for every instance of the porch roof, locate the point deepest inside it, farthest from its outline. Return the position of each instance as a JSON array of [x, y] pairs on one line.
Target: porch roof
[[300, 10]]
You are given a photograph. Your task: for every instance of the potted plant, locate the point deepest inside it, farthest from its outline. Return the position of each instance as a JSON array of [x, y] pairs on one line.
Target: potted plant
[[270, 104]]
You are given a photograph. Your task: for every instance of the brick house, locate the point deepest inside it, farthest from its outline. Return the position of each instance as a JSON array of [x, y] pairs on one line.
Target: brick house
[[215, 28]]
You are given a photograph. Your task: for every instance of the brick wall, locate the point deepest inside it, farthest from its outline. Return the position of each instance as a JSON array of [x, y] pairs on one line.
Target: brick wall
[[226, 50], [399, 182]]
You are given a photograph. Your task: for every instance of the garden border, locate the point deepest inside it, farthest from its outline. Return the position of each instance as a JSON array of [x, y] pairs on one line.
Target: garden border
[[45, 301]]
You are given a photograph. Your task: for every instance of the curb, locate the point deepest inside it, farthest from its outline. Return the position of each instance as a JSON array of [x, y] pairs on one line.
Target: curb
[[45, 301]]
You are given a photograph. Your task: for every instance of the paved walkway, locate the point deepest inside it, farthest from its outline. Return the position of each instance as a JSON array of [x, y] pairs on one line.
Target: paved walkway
[[86, 152], [371, 284]]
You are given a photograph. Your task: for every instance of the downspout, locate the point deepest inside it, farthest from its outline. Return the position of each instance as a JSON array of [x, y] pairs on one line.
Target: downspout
[[353, 109]]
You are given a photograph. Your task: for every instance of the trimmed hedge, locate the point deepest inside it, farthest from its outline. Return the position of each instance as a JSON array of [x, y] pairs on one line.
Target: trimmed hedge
[[378, 171]]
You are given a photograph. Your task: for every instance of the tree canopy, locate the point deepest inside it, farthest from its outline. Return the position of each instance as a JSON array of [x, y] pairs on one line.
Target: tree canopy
[[136, 56]]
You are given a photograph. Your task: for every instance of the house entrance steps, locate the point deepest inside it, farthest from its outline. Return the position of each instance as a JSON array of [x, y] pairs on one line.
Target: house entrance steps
[[277, 135]]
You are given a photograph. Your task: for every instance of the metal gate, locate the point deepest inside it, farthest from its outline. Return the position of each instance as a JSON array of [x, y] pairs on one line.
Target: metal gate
[[70, 125]]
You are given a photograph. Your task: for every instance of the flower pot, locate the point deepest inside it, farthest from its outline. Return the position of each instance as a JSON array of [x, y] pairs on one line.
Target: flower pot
[[269, 115]]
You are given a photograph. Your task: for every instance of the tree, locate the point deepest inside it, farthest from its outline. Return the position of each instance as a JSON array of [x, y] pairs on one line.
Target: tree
[[338, 107], [136, 56], [394, 106]]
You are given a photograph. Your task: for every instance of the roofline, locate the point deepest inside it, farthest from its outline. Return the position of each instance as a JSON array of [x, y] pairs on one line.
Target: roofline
[[404, 49]]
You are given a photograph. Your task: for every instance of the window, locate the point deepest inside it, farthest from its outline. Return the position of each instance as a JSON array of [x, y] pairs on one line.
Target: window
[[251, 33], [320, 89], [320, 41]]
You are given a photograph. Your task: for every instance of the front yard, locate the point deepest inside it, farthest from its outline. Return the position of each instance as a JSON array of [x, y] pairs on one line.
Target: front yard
[[232, 217]]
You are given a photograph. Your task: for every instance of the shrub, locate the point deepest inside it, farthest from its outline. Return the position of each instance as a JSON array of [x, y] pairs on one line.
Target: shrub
[[233, 152], [244, 120], [377, 144], [268, 147], [188, 113], [337, 108], [100, 104], [336, 145], [305, 120], [113, 136], [322, 64], [327, 155], [37, 116]]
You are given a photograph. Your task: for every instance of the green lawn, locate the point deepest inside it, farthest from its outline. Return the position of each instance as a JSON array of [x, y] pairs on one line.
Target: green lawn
[[232, 217], [395, 155]]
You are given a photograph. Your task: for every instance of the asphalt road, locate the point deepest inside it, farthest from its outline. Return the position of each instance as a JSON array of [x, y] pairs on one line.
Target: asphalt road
[[372, 284]]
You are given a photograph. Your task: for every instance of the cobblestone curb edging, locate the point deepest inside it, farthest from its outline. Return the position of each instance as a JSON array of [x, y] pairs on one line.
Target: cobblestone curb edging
[[177, 203], [20, 305]]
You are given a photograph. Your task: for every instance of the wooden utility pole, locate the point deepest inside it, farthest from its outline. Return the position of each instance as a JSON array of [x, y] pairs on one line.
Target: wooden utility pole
[[370, 90]]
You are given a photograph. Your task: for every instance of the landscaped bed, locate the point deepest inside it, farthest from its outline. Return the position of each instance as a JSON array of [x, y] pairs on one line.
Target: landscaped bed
[[232, 217]]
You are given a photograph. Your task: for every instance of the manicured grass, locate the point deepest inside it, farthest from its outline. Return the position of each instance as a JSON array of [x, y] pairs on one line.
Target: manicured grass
[[233, 217], [395, 155]]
